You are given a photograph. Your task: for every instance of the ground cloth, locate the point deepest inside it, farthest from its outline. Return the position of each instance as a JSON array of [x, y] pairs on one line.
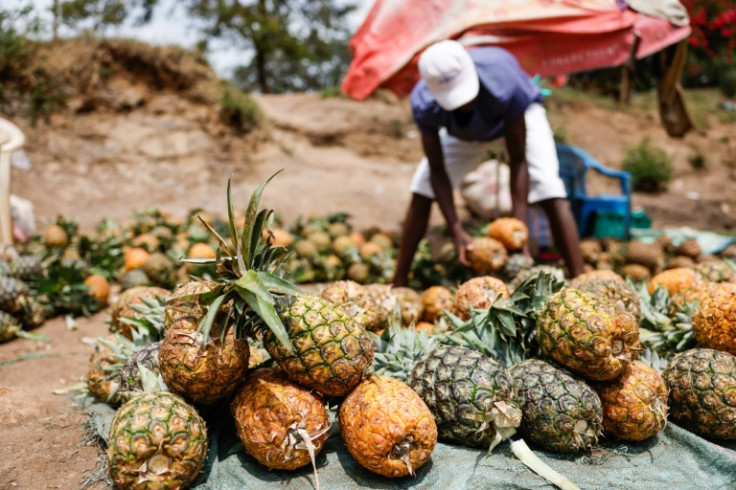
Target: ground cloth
[[675, 459]]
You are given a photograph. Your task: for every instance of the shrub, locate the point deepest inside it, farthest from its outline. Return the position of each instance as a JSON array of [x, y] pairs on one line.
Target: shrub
[[727, 82], [697, 160], [239, 110], [650, 167]]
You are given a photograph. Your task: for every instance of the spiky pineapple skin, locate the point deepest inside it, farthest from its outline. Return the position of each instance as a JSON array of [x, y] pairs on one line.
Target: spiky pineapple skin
[[9, 326], [26, 267], [130, 377], [714, 322], [103, 385], [435, 300], [12, 291], [202, 370], [595, 275], [185, 301], [357, 301], [514, 265], [268, 410], [702, 397], [634, 404], [619, 293], [461, 387], [156, 441], [478, 293], [512, 233], [587, 335], [331, 351], [675, 280], [561, 413], [715, 271], [387, 427], [410, 304]]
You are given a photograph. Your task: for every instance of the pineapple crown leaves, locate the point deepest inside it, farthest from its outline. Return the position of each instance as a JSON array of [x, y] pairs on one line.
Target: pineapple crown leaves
[[398, 348], [64, 289], [506, 330], [660, 331], [249, 271], [150, 326]]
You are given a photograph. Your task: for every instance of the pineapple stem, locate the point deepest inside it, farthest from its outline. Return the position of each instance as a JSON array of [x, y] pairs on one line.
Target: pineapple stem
[[402, 452], [526, 456], [299, 438]]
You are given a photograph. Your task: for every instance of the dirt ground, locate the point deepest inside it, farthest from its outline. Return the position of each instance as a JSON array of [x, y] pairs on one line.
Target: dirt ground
[[149, 146]]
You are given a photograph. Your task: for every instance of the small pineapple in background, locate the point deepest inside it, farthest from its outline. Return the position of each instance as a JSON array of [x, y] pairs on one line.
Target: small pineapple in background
[[103, 373], [201, 369], [634, 404], [511, 232], [357, 301], [636, 272], [478, 293], [27, 268], [595, 275], [591, 250], [470, 396], [715, 271], [486, 255], [387, 428], [9, 327], [536, 271], [714, 322], [99, 288], [515, 264], [135, 258], [675, 280], [160, 270], [33, 314], [186, 300], [561, 412], [133, 279], [156, 440], [358, 272], [410, 304], [702, 383], [649, 255], [586, 334], [680, 261], [689, 248], [12, 293], [281, 424], [435, 300]]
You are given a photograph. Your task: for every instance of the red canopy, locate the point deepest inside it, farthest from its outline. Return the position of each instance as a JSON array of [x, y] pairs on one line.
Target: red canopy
[[548, 37]]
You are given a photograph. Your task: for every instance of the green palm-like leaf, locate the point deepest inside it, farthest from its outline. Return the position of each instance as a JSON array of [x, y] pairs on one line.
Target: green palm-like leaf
[[268, 314], [223, 244], [250, 220], [205, 326], [252, 283], [278, 285]]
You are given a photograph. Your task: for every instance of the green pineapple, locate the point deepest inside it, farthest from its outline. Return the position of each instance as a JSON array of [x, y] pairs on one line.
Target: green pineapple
[[702, 384], [470, 396], [156, 440], [26, 268], [9, 327], [561, 413], [587, 335]]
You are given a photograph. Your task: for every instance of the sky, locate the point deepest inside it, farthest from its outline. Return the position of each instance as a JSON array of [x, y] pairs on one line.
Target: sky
[[171, 25]]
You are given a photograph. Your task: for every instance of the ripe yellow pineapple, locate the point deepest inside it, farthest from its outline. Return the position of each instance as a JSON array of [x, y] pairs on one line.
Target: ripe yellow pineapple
[[435, 300], [277, 420], [387, 427], [634, 404], [511, 232], [636, 272], [487, 255], [478, 293], [714, 323], [587, 335], [675, 280], [595, 274]]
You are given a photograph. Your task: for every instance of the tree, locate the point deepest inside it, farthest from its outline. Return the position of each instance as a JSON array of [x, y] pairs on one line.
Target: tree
[[297, 44], [96, 15]]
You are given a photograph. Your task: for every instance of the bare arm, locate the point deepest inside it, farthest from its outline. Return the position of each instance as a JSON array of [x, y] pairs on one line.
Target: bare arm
[[443, 193], [516, 147]]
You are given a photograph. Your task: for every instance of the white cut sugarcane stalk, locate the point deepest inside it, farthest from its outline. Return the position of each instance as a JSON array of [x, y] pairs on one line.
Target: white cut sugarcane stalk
[[526, 456]]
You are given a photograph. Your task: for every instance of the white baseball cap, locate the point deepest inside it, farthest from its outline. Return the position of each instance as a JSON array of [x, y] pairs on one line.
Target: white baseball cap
[[449, 73]]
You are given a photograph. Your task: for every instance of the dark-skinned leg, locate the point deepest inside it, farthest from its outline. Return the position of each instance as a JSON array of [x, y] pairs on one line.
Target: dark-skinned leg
[[565, 233], [415, 226]]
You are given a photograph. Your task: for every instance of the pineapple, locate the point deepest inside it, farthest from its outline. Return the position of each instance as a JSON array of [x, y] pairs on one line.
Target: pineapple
[[33, 314], [435, 300], [636, 272], [99, 288], [561, 412], [470, 396], [331, 351], [714, 323], [358, 302], [12, 293], [156, 440], [594, 275], [186, 300], [133, 279], [160, 270], [591, 250], [410, 305], [512, 233], [587, 335], [715, 271], [387, 427], [634, 404], [9, 327], [647, 254], [536, 271], [478, 293], [315, 342], [514, 265], [689, 248], [486, 255], [680, 261], [620, 294], [281, 424], [26, 268], [201, 369], [55, 237], [674, 280], [103, 380], [124, 307], [131, 382], [702, 398]]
